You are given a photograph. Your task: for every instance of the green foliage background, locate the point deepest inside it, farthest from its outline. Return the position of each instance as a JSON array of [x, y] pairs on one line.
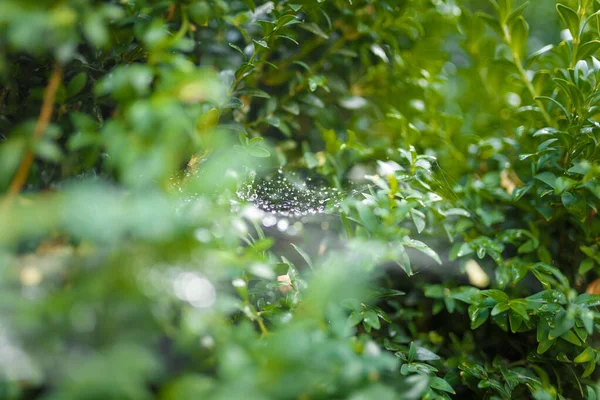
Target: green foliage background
[[126, 273]]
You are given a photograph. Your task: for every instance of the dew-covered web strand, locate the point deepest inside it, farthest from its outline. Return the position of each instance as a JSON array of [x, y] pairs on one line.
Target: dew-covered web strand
[[446, 186], [290, 195], [285, 198]]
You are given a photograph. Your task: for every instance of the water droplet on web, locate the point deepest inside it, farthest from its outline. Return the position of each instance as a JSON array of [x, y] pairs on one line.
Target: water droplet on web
[[195, 289], [269, 220], [283, 224]]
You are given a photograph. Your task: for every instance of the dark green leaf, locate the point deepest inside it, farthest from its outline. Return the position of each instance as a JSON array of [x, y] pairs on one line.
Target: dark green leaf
[[570, 18], [440, 384]]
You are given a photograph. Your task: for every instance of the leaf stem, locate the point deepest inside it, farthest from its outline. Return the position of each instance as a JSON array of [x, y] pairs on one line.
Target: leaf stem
[[185, 25], [531, 89], [523, 74], [262, 326]]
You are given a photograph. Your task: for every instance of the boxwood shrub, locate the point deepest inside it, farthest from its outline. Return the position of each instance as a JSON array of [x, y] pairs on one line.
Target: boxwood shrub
[[299, 199]]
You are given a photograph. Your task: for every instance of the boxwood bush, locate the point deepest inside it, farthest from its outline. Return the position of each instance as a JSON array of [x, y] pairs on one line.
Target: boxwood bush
[[299, 199]]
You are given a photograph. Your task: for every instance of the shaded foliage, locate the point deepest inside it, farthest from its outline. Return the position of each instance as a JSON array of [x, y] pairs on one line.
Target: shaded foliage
[[449, 134]]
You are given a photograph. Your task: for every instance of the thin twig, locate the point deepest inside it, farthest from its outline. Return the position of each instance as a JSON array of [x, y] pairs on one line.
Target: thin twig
[[523, 75], [261, 325], [171, 12], [40, 128]]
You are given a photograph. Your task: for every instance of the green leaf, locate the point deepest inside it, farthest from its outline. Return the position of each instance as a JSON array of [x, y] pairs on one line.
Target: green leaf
[[371, 319], [587, 300], [519, 307], [491, 22], [550, 270], [422, 247], [500, 308], [589, 369], [302, 64], [267, 26], [563, 184], [288, 37], [402, 259], [478, 316], [292, 107], [516, 13], [250, 4], [237, 48], [440, 384], [542, 331], [587, 317], [286, 19], [261, 43], [528, 247], [76, 84], [515, 321], [258, 151], [244, 70], [385, 293], [503, 7], [314, 28], [49, 151], [95, 30], [355, 318], [311, 160], [563, 322], [588, 49], [233, 102], [547, 177], [557, 103], [303, 254], [519, 32], [456, 212], [312, 84], [201, 12], [496, 294], [586, 265], [572, 338], [83, 122], [434, 291], [313, 100], [572, 91], [586, 355], [253, 93], [570, 18], [545, 345], [423, 354], [490, 217], [418, 219], [591, 252], [412, 352], [273, 121]]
